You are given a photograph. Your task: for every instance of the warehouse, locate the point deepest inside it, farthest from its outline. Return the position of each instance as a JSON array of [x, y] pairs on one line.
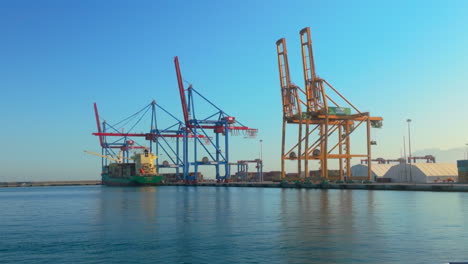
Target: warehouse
[[416, 172], [378, 170], [423, 172]]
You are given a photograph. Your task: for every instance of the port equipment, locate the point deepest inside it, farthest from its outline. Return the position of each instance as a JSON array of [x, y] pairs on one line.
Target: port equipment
[[243, 168], [124, 142], [400, 160], [428, 158], [159, 138], [118, 160], [378, 160], [323, 112], [384, 161], [219, 123]]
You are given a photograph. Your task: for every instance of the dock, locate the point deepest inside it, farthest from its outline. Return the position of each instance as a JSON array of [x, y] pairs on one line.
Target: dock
[[48, 183], [440, 187], [431, 187]]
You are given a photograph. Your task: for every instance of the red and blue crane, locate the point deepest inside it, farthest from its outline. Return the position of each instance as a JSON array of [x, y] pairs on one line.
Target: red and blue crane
[[172, 141], [165, 141], [218, 122]]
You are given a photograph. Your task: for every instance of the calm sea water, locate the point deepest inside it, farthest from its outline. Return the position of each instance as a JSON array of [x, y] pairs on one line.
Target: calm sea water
[[98, 224]]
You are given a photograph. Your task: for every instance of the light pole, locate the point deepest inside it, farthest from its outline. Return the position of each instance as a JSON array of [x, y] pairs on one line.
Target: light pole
[[405, 157], [409, 145], [261, 160]]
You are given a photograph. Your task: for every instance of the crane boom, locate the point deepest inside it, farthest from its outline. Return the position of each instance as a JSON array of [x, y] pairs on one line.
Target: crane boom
[[289, 95], [107, 157], [313, 90], [101, 141], [182, 91]]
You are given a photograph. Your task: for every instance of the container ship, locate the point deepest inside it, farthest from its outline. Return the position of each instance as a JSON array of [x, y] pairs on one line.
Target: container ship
[[140, 170], [134, 164]]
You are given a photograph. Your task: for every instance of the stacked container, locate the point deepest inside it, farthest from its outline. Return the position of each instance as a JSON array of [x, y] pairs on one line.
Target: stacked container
[[462, 171]]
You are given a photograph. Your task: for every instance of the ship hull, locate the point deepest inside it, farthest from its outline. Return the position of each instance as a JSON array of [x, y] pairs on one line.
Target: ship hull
[[132, 180]]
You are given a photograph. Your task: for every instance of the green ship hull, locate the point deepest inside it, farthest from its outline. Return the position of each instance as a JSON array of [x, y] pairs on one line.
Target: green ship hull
[[132, 180]]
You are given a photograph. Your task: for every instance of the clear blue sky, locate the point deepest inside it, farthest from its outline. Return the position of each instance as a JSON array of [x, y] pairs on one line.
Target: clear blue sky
[[396, 59]]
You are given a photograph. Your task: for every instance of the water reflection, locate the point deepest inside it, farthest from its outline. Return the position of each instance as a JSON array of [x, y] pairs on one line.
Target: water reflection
[[124, 208], [215, 225], [325, 225], [116, 202], [186, 222]]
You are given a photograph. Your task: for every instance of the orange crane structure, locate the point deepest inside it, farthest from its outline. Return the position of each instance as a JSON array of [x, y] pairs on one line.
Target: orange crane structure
[[317, 111]]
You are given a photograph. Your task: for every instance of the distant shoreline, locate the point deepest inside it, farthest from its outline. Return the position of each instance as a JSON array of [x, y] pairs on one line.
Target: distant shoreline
[[48, 183]]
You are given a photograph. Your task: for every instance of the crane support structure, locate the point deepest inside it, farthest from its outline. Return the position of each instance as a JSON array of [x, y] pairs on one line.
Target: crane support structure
[[243, 169], [324, 126]]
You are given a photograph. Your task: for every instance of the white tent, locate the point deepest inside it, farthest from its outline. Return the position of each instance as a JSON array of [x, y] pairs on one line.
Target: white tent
[[378, 170], [422, 172]]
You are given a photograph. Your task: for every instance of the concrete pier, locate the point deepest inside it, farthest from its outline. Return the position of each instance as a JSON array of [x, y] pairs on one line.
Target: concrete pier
[[48, 183], [441, 187], [436, 187]]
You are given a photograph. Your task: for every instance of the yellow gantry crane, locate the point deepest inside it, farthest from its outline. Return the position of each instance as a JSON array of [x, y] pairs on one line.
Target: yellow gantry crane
[[320, 114]]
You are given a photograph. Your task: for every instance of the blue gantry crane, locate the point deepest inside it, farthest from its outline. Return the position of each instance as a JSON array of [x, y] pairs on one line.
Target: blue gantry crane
[[218, 122], [167, 141]]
